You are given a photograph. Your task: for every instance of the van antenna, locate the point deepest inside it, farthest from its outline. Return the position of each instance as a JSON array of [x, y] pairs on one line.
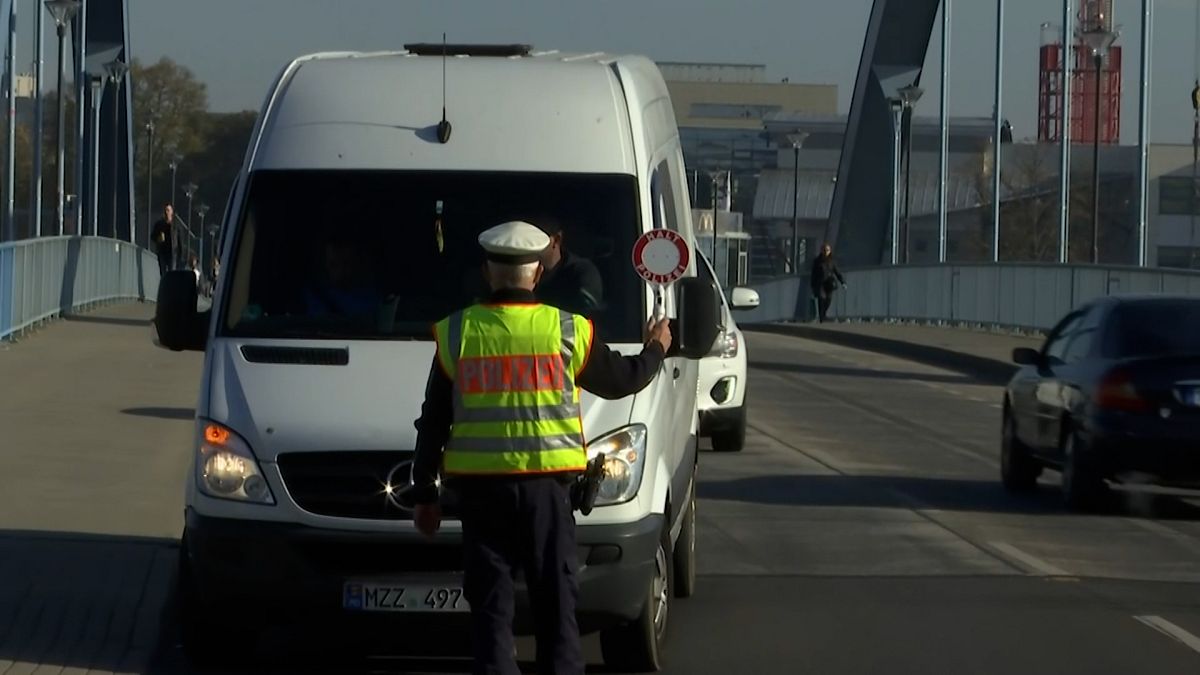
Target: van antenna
[[443, 128]]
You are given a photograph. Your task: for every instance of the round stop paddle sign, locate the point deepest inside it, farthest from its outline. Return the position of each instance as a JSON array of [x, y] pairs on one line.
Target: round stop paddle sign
[[661, 256]]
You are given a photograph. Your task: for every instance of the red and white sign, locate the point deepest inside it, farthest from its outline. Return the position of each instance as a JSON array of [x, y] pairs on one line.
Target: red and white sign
[[661, 256]]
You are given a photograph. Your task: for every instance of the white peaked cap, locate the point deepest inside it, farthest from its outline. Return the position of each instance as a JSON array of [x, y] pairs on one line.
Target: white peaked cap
[[515, 243]]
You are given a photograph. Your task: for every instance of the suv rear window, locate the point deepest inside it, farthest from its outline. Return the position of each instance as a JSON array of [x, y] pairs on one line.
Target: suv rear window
[[1156, 328], [385, 254]]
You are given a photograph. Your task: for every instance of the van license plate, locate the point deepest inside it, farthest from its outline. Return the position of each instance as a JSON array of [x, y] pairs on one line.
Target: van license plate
[[401, 597]]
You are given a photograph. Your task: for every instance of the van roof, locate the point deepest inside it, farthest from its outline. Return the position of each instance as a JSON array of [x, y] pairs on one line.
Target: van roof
[[547, 111]]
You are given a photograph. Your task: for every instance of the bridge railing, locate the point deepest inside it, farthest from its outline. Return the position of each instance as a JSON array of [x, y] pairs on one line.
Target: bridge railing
[[1027, 296], [1009, 295], [44, 278]]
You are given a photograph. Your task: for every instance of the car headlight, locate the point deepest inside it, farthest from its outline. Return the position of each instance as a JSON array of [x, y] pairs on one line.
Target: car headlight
[[726, 345], [624, 453], [226, 467]]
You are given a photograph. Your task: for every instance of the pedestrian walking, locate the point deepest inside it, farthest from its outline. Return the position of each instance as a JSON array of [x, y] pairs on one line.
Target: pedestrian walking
[[163, 238], [502, 419], [825, 280]]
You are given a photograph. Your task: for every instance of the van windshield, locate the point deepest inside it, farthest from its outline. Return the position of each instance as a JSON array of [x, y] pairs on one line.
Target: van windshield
[[385, 255]]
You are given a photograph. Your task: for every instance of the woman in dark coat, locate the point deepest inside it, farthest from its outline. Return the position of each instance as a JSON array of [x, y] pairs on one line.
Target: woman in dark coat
[[825, 280]]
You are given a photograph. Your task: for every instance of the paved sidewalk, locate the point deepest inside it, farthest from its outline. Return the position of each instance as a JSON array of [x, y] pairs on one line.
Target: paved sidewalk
[[984, 355], [95, 438]]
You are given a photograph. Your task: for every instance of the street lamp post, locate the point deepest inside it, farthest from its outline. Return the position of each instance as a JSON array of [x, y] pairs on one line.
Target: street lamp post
[[174, 166], [62, 11], [189, 191], [97, 85], [8, 225], [116, 70], [797, 140], [201, 211], [38, 120], [1099, 39], [149, 181]]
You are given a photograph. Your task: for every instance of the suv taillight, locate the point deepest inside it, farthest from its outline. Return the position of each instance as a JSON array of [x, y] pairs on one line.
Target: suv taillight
[[1116, 392]]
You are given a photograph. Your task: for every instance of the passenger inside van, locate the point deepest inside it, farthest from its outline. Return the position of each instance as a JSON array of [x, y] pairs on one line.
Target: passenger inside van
[[571, 281]]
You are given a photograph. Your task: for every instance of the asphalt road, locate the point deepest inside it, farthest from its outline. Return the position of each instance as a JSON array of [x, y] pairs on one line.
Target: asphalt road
[[863, 529]]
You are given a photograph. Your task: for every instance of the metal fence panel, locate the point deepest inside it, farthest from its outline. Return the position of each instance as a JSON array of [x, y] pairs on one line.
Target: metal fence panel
[[47, 277], [1025, 296]]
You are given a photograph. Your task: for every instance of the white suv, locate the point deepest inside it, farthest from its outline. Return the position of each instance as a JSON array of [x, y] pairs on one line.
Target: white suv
[[722, 395]]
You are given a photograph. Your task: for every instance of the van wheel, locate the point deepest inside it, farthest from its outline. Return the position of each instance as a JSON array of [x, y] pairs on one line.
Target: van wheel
[[732, 439], [207, 640], [638, 646], [685, 549]]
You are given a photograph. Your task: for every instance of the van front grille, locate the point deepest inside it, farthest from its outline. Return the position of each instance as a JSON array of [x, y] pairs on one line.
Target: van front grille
[[350, 484]]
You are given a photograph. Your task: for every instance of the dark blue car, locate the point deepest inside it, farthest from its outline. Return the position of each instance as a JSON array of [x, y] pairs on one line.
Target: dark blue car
[[1113, 394]]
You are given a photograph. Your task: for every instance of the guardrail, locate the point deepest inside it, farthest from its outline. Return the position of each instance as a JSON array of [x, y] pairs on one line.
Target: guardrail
[[44, 278], [1025, 296], [1020, 296]]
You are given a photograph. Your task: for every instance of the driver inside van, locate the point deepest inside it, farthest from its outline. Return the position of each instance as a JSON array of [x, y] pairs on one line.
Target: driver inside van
[[345, 287]]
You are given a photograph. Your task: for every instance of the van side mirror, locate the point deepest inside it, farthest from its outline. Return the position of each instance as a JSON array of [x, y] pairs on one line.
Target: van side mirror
[[743, 299], [179, 326], [695, 330], [1024, 356]]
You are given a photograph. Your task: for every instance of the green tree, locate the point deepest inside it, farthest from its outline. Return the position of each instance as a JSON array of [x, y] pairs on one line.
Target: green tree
[[171, 97]]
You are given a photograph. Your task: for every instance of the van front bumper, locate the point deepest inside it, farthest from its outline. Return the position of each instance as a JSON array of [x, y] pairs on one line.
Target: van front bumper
[[272, 570]]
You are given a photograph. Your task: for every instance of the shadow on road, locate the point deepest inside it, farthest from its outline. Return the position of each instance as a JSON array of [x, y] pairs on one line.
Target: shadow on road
[[70, 600], [862, 372], [944, 494], [110, 320], [108, 604], [162, 413]]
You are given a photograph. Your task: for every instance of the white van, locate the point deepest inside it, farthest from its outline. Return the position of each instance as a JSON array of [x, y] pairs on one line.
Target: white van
[[351, 231]]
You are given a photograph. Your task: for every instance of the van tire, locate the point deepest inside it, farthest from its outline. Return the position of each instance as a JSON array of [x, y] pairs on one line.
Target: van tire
[[685, 549], [639, 646]]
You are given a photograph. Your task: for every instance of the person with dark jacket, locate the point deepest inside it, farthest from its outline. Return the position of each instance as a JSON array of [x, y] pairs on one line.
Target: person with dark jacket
[[570, 282], [163, 238], [825, 280]]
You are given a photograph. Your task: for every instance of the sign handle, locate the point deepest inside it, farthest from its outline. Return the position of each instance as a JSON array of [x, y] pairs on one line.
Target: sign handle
[[660, 311]]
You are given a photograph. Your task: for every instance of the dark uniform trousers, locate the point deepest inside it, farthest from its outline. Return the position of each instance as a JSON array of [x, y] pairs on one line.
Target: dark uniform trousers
[[526, 524]]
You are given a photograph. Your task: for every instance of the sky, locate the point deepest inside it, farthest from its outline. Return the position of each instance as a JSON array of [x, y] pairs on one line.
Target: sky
[[237, 46]]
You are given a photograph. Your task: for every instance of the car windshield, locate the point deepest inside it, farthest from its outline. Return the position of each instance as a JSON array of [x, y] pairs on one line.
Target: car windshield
[[384, 255], [1157, 328]]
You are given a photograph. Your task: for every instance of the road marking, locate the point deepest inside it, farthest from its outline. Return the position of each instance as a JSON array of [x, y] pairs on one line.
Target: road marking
[[1041, 567], [1171, 630]]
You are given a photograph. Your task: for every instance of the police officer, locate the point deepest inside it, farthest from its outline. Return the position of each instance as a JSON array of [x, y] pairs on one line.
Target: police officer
[[502, 420]]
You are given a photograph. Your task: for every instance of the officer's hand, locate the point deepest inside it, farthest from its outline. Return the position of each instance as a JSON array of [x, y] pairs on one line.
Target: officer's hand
[[660, 332], [428, 518]]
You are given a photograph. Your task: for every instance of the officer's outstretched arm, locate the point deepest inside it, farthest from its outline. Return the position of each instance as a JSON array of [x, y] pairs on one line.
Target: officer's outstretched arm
[[610, 375]]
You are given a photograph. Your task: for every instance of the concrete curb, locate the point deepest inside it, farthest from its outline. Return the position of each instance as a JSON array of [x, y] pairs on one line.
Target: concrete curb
[[982, 368]]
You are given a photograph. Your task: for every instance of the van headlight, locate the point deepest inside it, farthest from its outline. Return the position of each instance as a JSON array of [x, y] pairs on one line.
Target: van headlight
[[226, 467], [624, 453]]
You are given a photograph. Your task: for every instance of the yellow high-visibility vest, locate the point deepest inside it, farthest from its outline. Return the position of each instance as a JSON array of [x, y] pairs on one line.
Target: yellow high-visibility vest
[[516, 402]]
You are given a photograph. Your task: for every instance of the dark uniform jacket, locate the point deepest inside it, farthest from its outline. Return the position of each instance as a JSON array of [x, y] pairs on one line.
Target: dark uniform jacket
[[606, 374]]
